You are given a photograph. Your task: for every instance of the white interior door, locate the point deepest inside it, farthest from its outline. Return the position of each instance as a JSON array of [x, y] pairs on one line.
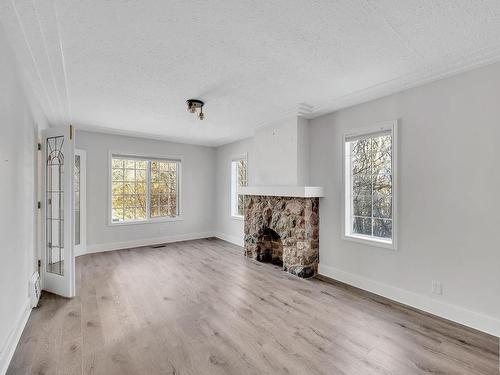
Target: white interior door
[[58, 269], [80, 202]]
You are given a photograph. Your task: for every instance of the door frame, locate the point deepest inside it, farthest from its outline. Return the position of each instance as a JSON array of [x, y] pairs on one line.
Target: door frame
[[62, 285], [82, 247]]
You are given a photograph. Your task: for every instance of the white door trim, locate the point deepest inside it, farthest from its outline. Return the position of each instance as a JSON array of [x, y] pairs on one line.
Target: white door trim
[[82, 247], [63, 285]]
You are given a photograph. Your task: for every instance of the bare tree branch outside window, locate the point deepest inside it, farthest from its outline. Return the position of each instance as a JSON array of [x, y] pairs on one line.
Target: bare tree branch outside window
[[241, 170], [128, 190], [130, 181], [371, 184]]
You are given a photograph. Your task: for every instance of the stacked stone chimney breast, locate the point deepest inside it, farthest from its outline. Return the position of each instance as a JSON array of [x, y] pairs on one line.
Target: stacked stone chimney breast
[[283, 230]]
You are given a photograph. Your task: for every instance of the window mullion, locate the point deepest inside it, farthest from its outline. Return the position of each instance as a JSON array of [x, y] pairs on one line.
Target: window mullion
[[148, 190], [233, 211], [123, 192], [351, 198], [177, 189], [371, 179]]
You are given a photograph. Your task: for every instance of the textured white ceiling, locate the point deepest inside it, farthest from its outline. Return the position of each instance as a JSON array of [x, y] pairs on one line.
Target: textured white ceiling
[[129, 66]]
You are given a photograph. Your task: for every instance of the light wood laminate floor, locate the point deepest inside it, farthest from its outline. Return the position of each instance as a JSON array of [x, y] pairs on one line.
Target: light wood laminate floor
[[198, 307]]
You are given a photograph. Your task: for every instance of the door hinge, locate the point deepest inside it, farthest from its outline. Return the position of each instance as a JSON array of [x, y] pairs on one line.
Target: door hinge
[[71, 132], [39, 264], [39, 205], [39, 146]]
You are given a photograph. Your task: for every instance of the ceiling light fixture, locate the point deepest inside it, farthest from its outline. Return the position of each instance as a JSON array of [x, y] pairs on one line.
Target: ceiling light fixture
[[193, 104]]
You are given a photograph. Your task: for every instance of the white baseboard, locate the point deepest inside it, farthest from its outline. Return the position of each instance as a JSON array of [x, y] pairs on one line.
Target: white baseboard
[[97, 248], [445, 310], [9, 347], [80, 251], [233, 239]]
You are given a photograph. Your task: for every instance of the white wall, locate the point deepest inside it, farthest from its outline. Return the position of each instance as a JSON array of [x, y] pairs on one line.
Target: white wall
[[19, 122], [281, 155], [449, 137], [227, 227], [275, 157], [197, 192], [303, 152]]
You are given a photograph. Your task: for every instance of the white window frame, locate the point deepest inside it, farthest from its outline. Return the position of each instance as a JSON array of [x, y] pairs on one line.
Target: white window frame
[[389, 126], [148, 157], [234, 185]]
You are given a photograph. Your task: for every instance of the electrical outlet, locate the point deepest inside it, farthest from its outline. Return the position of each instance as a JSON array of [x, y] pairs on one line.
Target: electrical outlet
[[437, 287]]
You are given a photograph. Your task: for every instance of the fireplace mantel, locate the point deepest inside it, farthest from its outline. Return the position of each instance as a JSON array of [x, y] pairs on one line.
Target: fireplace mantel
[[283, 191]]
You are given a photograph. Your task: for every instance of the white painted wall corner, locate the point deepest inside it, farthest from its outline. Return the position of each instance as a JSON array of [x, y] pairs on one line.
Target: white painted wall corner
[[229, 238]]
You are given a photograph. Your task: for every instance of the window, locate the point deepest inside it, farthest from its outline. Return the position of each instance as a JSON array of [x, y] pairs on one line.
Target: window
[[143, 189], [238, 179], [163, 188], [369, 186]]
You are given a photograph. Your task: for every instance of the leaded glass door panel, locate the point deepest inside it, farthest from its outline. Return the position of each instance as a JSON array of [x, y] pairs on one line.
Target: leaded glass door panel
[[79, 202], [58, 270]]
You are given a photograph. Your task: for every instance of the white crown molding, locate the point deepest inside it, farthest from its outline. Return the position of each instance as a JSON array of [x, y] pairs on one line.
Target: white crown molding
[[144, 135], [36, 67], [389, 87], [305, 110], [411, 80], [300, 110]]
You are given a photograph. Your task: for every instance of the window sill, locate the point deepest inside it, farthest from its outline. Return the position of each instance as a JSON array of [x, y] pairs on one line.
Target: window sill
[[150, 221], [237, 217], [370, 241]]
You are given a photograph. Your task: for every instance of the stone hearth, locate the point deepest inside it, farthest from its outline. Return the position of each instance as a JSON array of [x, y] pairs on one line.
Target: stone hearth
[[283, 230]]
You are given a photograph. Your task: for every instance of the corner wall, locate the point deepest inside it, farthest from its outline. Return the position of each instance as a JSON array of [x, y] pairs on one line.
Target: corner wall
[[19, 124], [449, 178], [227, 227], [197, 192]]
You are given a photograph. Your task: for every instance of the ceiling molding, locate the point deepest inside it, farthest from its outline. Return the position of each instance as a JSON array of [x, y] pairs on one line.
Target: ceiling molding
[[302, 109], [51, 68], [63, 62], [307, 111], [393, 86], [33, 59], [412, 80], [145, 135], [95, 63]]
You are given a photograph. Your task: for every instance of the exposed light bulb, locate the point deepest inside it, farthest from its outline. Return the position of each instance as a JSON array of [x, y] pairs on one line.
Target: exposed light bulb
[[193, 105]]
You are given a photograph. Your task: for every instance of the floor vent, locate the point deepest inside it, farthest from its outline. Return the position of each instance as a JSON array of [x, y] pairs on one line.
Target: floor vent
[[157, 246]]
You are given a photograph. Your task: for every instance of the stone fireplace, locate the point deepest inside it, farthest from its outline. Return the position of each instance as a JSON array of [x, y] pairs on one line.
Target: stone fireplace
[[283, 231]]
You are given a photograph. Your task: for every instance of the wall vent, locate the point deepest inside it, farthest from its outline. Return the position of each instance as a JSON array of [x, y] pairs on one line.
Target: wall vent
[[35, 289]]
